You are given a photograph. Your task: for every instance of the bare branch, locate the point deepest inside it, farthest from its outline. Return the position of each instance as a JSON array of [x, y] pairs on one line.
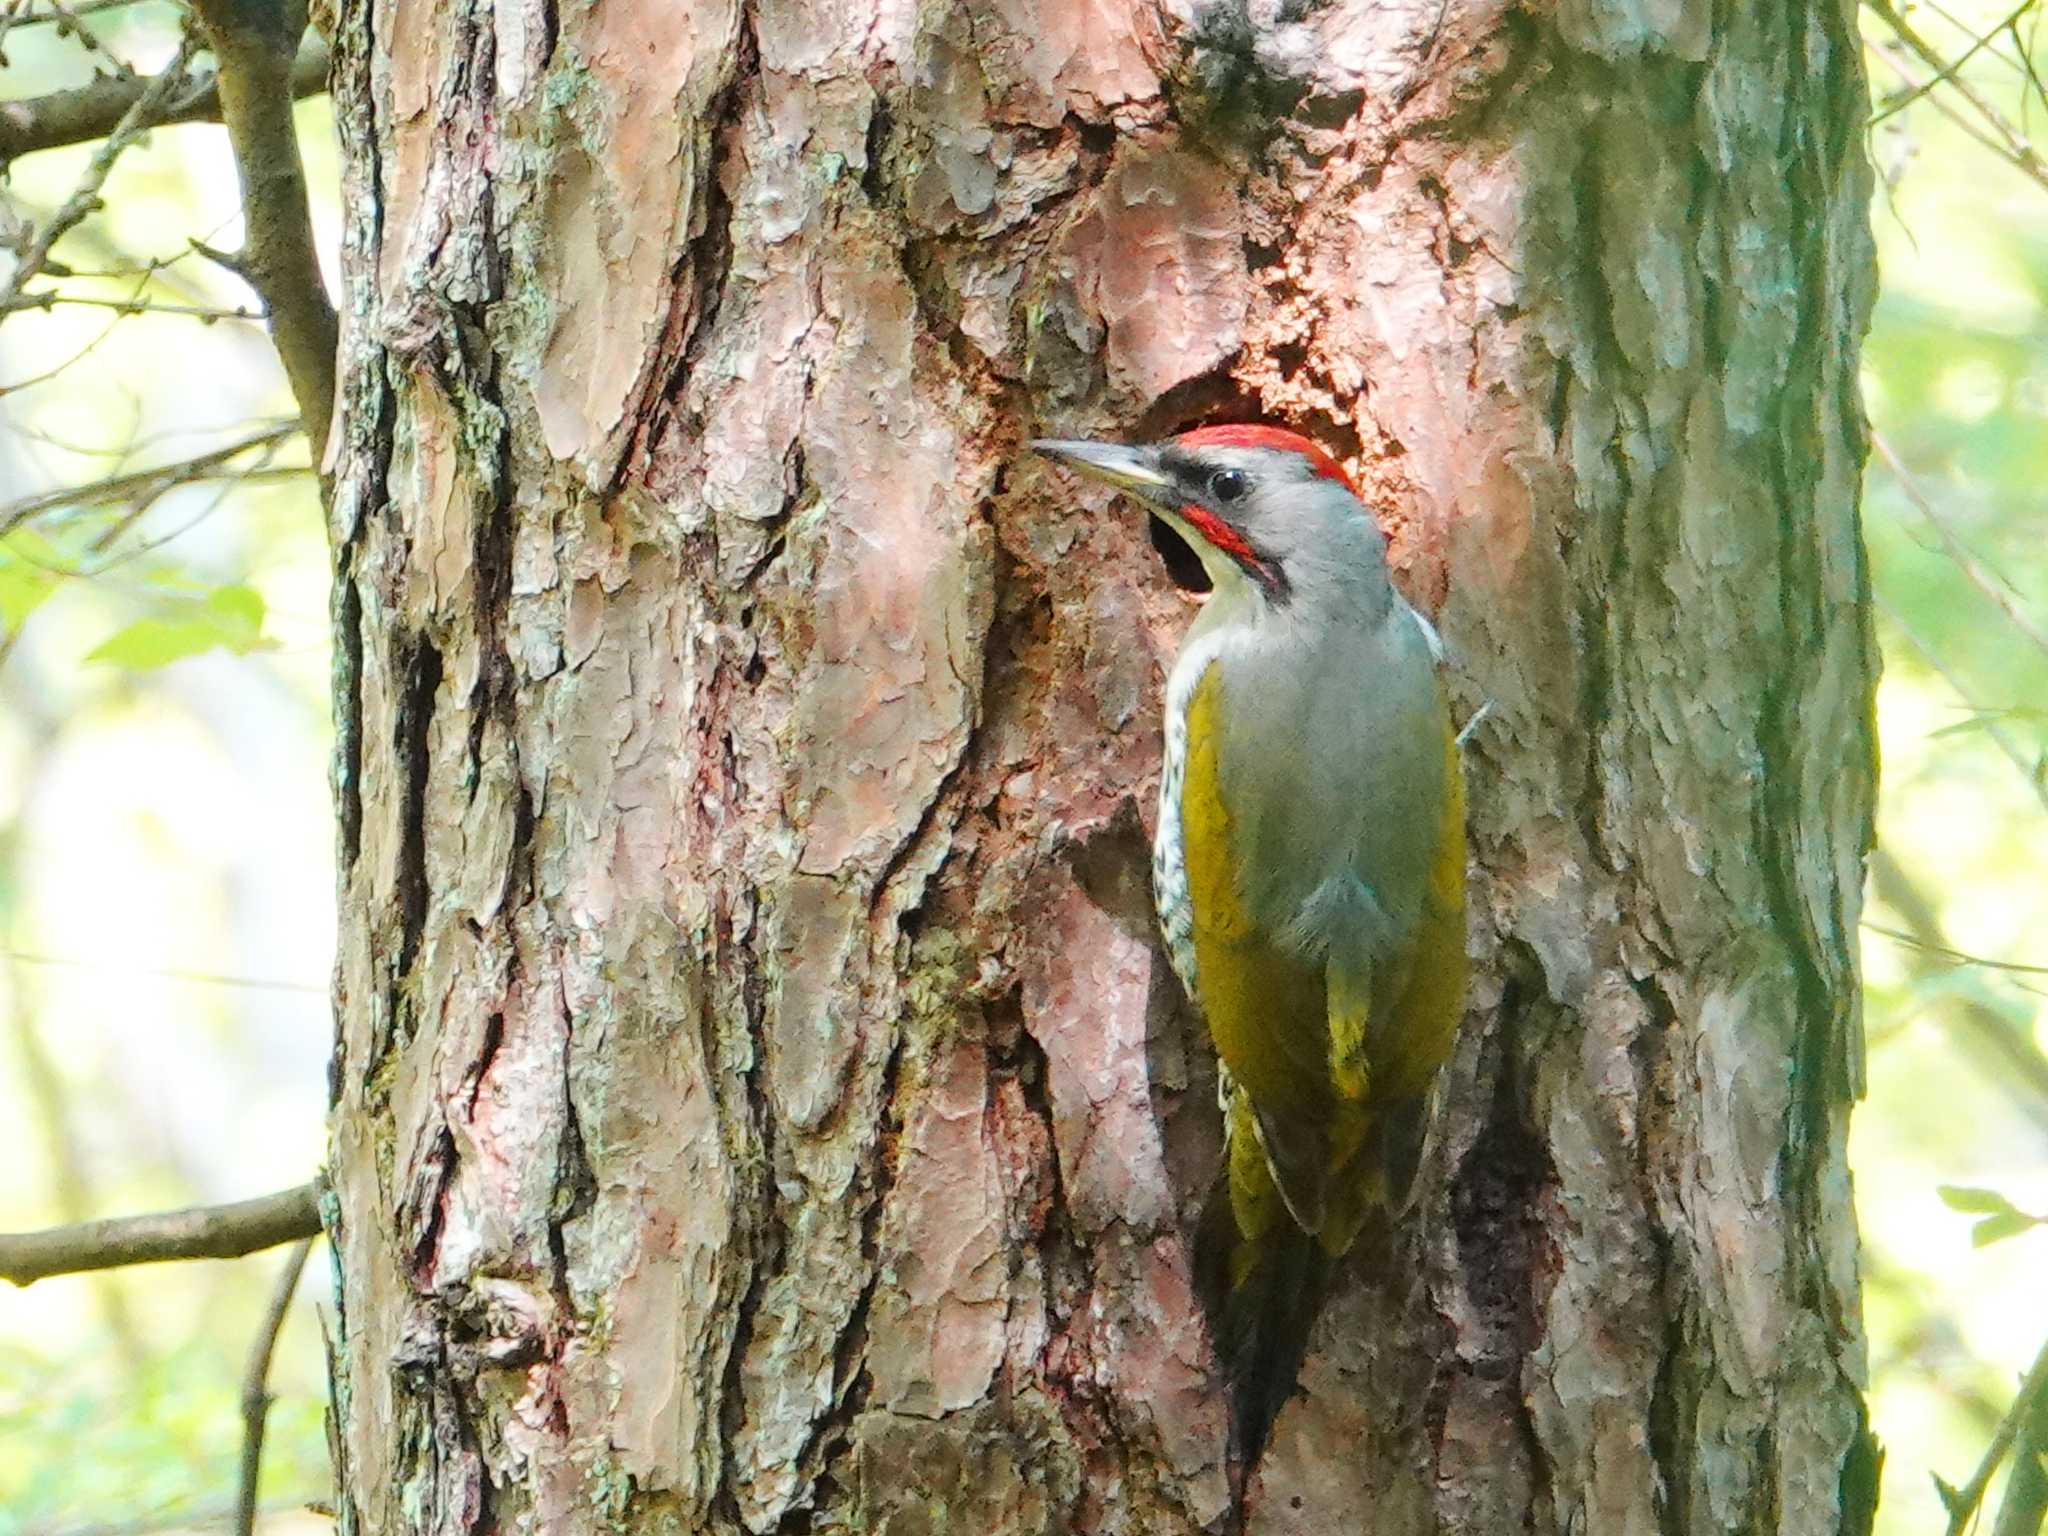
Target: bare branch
[[1963, 1503], [91, 111], [1965, 26], [2026, 1491], [2024, 161], [48, 299], [2010, 145], [256, 44], [203, 1232], [256, 1387], [143, 485], [1948, 70], [85, 197]]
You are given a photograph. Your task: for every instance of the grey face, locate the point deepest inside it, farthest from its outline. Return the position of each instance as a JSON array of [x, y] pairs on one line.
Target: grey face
[[1254, 515]]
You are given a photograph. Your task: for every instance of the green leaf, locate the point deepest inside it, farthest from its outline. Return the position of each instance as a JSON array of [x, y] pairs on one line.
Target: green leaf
[[30, 569], [1976, 1202], [151, 643], [240, 612], [22, 589], [1994, 1229], [229, 618]]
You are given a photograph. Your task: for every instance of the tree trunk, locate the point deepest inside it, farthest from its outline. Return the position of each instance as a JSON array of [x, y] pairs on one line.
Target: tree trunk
[[760, 1104]]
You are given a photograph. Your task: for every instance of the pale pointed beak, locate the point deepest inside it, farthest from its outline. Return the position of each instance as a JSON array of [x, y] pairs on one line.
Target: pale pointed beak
[[1128, 469]]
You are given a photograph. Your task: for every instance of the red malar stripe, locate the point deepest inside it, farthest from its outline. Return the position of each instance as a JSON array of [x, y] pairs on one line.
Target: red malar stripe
[[1220, 533]]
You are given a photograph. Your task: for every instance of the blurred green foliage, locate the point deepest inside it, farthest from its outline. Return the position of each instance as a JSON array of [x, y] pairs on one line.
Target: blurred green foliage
[[1950, 1151], [186, 624], [165, 835], [163, 822], [2000, 1218], [83, 1440]]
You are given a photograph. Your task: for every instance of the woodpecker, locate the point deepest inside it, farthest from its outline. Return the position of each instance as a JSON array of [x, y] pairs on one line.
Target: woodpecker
[[1309, 863]]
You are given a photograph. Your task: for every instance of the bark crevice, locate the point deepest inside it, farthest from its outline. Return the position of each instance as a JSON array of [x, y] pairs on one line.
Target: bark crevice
[[412, 745]]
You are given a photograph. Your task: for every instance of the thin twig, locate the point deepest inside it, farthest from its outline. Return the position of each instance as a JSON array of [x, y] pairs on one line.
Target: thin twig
[[1954, 956], [10, 386], [112, 560], [2010, 24], [2033, 75], [2016, 149], [198, 978], [36, 18], [71, 25], [2007, 1056], [138, 510], [203, 1232], [89, 112], [120, 453], [156, 266], [256, 1387], [154, 269], [2000, 738], [2026, 163], [85, 197], [140, 485], [1948, 70], [1963, 1504], [229, 481], [1959, 552], [49, 299]]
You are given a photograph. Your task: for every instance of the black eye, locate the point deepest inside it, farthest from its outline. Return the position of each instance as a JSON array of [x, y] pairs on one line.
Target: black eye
[[1228, 484]]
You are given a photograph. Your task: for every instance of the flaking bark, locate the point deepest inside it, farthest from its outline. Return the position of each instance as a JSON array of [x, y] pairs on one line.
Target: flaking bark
[[760, 1103]]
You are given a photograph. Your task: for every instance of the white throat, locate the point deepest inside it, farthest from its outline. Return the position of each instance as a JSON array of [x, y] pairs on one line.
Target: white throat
[[1205, 643]]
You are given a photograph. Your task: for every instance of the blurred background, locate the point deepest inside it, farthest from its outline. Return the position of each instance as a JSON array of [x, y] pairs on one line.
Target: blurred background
[[166, 837], [166, 914]]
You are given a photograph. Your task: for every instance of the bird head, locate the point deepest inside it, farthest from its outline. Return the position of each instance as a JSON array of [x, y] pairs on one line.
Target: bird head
[[1267, 512]]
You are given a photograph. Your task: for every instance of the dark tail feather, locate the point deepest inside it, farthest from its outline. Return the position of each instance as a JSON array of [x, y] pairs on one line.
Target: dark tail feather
[[1262, 1293]]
